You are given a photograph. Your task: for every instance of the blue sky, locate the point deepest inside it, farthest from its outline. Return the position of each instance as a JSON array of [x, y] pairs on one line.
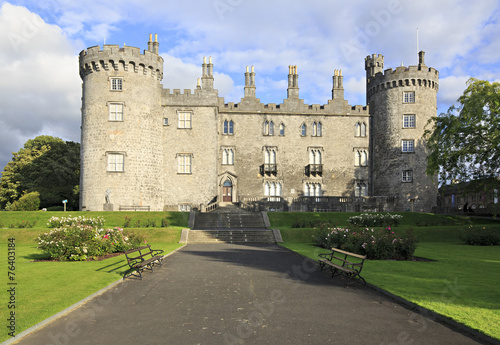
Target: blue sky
[[40, 89]]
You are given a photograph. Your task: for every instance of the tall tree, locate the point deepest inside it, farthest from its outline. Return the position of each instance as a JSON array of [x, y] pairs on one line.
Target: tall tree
[[464, 143], [47, 165]]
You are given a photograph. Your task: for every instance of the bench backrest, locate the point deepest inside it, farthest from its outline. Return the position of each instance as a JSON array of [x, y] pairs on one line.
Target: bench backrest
[[363, 257]]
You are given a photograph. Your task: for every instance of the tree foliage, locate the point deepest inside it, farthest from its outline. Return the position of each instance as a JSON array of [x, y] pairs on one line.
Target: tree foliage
[[28, 202], [464, 142], [47, 165]]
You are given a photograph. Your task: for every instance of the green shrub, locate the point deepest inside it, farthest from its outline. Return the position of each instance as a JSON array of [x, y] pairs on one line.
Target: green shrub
[[164, 222], [484, 236], [25, 224], [379, 244], [55, 208], [28, 202], [126, 224]]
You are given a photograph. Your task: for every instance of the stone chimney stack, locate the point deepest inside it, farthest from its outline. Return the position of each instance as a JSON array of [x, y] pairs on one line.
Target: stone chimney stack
[[338, 85], [250, 83], [293, 83]]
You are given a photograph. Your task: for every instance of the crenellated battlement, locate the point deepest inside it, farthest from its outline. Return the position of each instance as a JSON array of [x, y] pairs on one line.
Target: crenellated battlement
[[113, 57], [333, 108], [378, 79], [403, 76]]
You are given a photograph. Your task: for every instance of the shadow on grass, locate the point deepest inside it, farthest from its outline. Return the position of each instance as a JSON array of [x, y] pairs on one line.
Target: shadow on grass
[[37, 256]]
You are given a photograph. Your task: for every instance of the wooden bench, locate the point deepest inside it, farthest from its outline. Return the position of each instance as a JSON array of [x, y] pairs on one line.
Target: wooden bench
[[337, 261], [142, 258]]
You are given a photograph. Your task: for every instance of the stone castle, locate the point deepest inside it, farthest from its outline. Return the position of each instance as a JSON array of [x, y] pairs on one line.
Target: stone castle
[[144, 147]]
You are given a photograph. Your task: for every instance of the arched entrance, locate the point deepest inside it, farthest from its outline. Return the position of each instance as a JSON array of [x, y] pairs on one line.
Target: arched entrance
[[227, 191]]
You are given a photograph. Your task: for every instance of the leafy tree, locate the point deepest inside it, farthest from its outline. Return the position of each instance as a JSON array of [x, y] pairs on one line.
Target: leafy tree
[[47, 165], [464, 143]]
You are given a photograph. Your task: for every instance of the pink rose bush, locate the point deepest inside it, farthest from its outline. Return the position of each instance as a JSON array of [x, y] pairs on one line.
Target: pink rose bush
[[377, 244], [80, 238]]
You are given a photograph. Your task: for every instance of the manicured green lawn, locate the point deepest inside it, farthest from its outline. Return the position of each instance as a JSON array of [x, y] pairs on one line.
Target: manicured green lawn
[[461, 282], [46, 288]]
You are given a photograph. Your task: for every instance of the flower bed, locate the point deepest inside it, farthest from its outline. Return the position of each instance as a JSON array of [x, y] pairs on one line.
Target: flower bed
[[381, 244], [375, 219], [80, 238]]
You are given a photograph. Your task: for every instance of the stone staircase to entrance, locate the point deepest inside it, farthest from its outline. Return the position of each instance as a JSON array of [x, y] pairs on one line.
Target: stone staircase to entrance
[[230, 224]]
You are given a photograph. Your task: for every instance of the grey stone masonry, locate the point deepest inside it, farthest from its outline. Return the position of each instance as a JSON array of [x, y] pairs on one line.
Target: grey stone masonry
[[162, 149]]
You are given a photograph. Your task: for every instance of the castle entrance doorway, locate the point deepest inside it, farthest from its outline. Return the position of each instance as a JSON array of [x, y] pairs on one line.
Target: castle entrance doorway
[[227, 191]]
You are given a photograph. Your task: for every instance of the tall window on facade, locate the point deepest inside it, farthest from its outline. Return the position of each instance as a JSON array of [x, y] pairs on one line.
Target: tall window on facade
[[303, 130], [115, 111], [269, 128], [269, 155], [409, 121], [272, 189], [317, 129], [409, 97], [228, 127], [116, 84], [315, 156], [184, 208], [184, 162], [360, 189], [116, 162], [282, 129], [184, 119], [312, 189], [360, 158], [228, 156], [269, 167], [408, 146], [407, 176], [360, 129]]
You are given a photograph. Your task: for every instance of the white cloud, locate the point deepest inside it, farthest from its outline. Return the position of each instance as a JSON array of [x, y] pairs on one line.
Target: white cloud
[[450, 88], [40, 87]]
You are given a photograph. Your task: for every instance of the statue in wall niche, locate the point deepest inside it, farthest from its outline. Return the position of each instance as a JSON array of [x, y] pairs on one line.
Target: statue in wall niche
[[108, 193]]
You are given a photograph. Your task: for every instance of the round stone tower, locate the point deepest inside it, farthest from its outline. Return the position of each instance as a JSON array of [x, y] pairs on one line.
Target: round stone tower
[[401, 102], [121, 160]]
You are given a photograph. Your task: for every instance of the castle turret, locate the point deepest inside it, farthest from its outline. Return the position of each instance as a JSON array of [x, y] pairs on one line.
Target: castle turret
[[401, 103], [121, 127]]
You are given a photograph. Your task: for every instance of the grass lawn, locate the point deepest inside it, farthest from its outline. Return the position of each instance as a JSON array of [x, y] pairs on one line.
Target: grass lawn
[[461, 282], [46, 288]]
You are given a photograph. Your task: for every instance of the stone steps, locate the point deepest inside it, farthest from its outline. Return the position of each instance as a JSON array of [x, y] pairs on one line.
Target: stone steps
[[207, 221], [231, 236]]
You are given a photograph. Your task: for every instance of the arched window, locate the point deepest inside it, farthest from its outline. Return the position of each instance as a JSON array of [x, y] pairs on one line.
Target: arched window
[[360, 158], [316, 129], [228, 157], [303, 130], [360, 129], [282, 129], [314, 156], [266, 128], [271, 128], [319, 130], [272, 189], [231, 127], [312, 189], [360, 189]]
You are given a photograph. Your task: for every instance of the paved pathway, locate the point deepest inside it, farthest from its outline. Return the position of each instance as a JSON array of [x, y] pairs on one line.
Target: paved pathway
[[241, 294]]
